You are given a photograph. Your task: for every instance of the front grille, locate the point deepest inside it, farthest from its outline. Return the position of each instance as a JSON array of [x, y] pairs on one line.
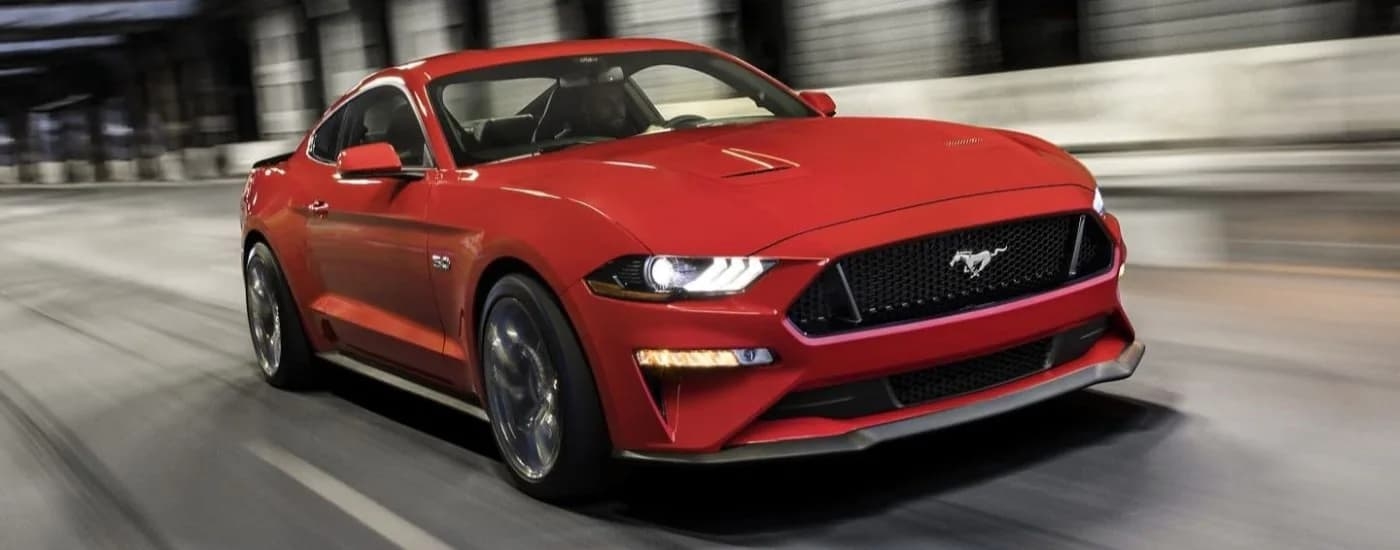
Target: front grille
[[971, 375], [951, 272]]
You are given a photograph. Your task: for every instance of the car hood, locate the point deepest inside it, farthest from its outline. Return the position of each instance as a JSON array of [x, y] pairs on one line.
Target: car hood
[[738, 189]]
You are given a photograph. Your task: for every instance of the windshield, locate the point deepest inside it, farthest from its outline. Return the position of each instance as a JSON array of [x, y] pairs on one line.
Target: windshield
[[546, 105]]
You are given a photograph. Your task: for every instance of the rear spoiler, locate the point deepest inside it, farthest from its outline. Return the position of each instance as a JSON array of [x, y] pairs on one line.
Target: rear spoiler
[[272, 161]]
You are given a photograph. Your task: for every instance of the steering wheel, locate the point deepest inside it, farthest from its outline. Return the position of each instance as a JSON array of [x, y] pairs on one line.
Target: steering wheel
[[679, 120]]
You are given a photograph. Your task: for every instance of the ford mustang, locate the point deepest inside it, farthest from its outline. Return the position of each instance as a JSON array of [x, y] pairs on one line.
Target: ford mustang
[[637, 249]]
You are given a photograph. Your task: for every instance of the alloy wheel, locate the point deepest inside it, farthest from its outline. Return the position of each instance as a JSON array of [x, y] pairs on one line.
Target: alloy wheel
[[523, 393], [264, 315]]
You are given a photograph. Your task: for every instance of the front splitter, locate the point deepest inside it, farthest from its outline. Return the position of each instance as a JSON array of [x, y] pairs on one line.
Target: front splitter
[[858, 440]]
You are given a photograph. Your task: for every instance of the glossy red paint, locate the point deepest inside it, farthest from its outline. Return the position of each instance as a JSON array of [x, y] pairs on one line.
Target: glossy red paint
[[819, 100], [357, 251], [374, 159]]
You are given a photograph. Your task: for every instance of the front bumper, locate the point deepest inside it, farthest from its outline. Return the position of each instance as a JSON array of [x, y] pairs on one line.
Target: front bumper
[[1122, 367], [723, 413]]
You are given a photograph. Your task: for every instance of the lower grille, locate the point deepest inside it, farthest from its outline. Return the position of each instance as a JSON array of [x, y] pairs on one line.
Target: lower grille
[[866, 397], [971, 375]]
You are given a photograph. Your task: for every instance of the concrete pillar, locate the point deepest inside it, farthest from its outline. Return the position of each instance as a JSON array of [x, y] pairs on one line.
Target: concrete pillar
[[842, 42], [588, 18], [348, 48], [121, 151], [77, 159], [289, 95], [45, 151], [97, 140], [758, 33], [144, 152], [170, 128], [21, 150], [8, 172], [422, 28], [202, 113], [524, 21], [678, 19]]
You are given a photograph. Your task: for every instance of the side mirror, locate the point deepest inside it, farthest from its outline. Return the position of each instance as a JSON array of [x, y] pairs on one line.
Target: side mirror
[[373, 160], [821, 101]]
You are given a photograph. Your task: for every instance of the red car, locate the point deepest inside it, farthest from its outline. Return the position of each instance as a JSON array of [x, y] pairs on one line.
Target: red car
[[649, 250]]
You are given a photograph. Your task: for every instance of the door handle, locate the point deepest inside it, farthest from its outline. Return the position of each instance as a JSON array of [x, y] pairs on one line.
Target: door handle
[[319, 208]]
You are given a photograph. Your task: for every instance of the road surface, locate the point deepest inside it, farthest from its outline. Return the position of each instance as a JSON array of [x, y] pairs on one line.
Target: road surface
[[1264, 416]]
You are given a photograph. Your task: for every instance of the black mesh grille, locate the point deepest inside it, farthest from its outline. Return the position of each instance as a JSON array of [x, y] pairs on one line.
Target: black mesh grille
[[951, 272], [970, 375]]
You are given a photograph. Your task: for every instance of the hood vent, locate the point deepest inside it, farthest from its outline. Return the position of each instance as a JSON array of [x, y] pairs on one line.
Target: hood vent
[[964, 142], [753, 163]]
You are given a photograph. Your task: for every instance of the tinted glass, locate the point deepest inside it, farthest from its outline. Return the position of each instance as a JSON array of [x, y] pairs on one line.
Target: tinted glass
[[325, 143], [384, 115], [545, 105]]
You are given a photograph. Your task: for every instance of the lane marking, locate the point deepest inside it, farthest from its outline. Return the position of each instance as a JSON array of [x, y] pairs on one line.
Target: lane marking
[[381, 520]]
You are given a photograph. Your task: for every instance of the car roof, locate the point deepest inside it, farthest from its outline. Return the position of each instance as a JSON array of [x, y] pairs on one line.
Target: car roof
[[465, 60]]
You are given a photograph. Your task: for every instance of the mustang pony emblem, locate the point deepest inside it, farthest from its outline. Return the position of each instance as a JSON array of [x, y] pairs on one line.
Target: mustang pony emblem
[[975, 262]]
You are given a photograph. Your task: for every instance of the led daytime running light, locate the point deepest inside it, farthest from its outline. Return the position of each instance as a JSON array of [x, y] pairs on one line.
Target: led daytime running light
[[703, 358]]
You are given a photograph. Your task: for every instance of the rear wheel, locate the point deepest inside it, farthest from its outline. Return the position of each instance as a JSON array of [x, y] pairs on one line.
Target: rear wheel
[[283, 353], [540, 395]]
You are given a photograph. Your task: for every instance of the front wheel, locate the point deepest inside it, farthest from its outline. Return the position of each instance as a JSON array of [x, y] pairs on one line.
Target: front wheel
[[540, 395], [282, 350]]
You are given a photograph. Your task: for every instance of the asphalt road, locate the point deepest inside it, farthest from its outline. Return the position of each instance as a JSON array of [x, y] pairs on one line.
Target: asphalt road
[[1265, 415]]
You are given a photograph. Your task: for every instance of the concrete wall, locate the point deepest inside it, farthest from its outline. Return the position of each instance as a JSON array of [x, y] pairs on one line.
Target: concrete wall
[[422, 28], [281, 72], [1310, 91], [843, 42], [1118, 29], [516, 22], [689, 20], [345, 54]]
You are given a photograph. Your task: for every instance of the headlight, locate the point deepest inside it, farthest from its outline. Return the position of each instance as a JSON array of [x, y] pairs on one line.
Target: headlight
[[658, 278], [1098, 201]]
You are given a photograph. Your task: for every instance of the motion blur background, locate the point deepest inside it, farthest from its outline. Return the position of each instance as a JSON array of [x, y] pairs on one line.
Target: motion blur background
[[1262, 103], [1251, 149]]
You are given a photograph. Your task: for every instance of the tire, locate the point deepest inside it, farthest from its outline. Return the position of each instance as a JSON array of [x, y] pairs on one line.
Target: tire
[[271, 309], [580, 469]]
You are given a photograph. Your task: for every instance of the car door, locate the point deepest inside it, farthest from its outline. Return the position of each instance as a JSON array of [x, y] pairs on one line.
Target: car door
[[368, 244]]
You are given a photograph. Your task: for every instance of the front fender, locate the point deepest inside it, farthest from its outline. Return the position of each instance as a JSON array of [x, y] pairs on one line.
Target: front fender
[[560, 239], [269, 212]]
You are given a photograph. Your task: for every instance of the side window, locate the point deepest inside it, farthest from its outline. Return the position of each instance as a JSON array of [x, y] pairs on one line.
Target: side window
[[384, 115], [325, 143]]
